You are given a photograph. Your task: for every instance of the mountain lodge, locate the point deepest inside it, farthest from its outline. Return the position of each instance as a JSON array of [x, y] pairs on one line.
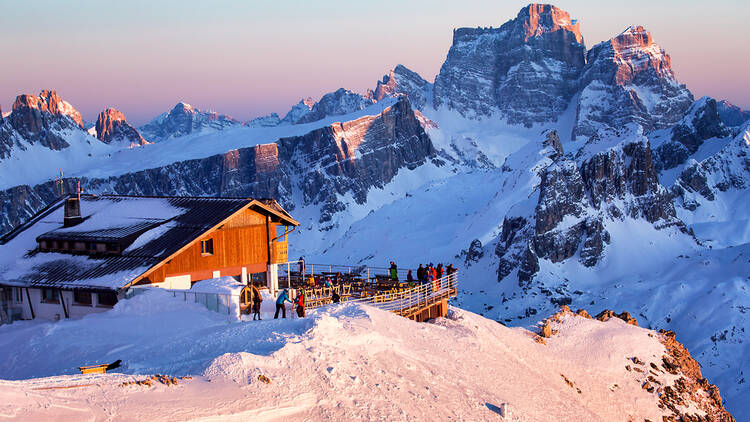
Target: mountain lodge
[[80, 254]]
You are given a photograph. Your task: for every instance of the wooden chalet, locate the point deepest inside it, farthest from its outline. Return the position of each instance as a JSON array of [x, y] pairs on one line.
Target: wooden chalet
[[80, 254]]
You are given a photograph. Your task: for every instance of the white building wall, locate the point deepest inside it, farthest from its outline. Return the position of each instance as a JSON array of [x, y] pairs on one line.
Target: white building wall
[[54, 311]]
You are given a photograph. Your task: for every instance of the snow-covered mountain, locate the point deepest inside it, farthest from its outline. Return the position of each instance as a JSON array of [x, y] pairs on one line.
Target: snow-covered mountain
[[490, 70], [628, 79], [45, 120], [183, 120], [554, 175]]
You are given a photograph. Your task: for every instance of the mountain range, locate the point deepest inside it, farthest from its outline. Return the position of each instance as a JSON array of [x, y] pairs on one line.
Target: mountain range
[[555, 174]]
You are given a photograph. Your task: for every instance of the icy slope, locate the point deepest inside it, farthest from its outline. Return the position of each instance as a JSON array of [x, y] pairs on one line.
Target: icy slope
[[345, 363]]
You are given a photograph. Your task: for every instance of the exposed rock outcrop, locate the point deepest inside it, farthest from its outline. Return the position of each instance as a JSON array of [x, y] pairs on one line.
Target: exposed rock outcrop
[[729, 169], [629, 79], [689, 388], [401, 80], [112, 128], [577, 198], [303, 107], [342, 101], [700, 123], [732, 115], [491, 69], [270, 120], [185, 119], [39, 120], [689, 397]]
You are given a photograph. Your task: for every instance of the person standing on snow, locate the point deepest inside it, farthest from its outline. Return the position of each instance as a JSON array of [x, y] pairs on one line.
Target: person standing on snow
[[420, 273], [300, 302], [410, 278], [394, 271], [257, 299], [283, 297]]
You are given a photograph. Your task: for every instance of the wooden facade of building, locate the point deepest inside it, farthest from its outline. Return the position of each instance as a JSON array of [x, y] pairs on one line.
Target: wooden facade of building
[[244, 244], [92, 246]]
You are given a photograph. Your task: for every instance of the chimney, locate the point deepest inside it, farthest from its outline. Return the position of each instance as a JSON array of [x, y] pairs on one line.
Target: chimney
[[72, 212]]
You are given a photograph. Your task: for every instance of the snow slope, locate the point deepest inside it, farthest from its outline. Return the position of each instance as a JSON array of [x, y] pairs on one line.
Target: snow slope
[[347, 362]]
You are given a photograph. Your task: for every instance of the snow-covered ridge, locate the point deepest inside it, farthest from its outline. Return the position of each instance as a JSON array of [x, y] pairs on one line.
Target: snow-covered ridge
[[462, 367], [87, 157]]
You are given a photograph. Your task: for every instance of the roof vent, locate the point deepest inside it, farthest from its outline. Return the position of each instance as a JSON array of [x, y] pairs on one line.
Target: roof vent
[[72, 212]]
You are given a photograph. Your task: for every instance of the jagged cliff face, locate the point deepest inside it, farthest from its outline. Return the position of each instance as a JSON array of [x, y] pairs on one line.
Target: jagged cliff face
[[185, 119], [112, 128], [38, 120], [629, 79], [731, 115], [348, 158], [724, 174], [490, 70], [576, 198], [402, 81], [701, 123]]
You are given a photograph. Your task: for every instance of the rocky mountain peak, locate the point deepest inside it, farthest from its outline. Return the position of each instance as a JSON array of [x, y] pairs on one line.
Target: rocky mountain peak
[[731, 114], [184, 119], [341, 101], [182, 108], [491, 69], [635, 51], [629, 79], [538, 19], [298, 110], [47, 102], [401, 80], [113, 128]]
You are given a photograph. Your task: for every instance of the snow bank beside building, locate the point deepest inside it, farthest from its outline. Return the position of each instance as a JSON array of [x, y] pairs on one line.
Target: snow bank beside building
[[347, 362]]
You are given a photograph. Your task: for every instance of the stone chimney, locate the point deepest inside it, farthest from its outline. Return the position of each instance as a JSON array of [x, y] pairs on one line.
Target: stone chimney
[[72, 211]]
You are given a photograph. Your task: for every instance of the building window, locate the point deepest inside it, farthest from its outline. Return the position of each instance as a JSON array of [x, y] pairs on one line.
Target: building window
[[207, 247], [101, 247], [79, 246], [42, 244], [50, 296], [82, 298], [18, 294], [113, 247], [107, 299]]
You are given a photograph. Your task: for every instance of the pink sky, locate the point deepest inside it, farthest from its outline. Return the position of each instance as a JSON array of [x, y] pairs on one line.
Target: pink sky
[[250, 58]]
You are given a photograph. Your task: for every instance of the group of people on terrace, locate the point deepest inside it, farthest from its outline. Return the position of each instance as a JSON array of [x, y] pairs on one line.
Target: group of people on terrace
[[426, 273]]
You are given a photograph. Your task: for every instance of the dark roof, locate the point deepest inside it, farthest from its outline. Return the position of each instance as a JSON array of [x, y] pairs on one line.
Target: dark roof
[[157, 227]]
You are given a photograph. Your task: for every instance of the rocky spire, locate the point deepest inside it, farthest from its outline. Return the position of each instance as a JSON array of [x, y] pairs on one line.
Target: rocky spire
[[112, 128], [28, 109]]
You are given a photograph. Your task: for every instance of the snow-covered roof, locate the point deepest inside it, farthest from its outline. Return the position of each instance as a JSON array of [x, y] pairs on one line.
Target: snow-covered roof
[[163, 225]]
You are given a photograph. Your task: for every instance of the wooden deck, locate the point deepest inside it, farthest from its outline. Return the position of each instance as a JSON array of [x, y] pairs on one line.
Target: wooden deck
[[418, 303]]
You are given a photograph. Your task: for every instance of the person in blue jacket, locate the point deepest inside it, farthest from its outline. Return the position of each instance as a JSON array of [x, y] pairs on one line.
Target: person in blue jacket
[[283, 297]]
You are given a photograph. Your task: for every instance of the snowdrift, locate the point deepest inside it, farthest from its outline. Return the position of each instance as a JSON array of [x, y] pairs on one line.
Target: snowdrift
[[347, 362]]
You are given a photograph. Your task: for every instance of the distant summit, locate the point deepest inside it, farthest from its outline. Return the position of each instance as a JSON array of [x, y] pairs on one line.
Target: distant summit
[[112, 128], [184, 119]]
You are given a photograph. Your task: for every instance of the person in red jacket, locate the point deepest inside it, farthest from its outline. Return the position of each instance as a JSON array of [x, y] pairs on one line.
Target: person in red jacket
[[299, 301]]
